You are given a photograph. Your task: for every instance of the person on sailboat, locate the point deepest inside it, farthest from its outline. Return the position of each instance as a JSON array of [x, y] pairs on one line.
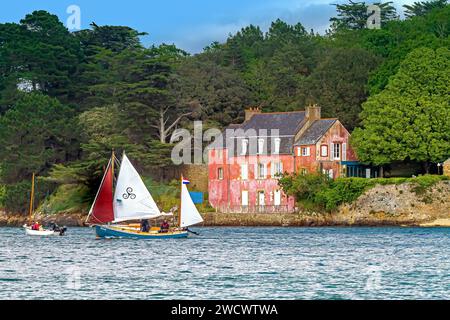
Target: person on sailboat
[[145, 227], [165, 226], [35, 226]]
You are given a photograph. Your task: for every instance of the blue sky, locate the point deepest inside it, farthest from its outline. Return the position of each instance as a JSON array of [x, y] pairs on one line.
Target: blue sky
[[190, 24]]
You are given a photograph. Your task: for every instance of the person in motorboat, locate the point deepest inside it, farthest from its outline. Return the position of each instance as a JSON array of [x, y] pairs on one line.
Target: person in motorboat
[[56, 228], [35, 226], [165, 226], [145, 227]]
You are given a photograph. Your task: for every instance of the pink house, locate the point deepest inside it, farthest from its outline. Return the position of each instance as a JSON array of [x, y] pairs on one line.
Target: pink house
[[246, 161]]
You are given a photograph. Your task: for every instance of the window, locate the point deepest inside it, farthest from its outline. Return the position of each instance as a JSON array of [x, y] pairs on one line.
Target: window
[[276, 169], [261, 198], [336, 151], [244, 198], [344, 152], [277, 198], [244, 147], [299, 152], [304, 171], [244, 171], [277, 143], [261, 171], [324, 151], [220, 173], [306, 151], [260, 146]]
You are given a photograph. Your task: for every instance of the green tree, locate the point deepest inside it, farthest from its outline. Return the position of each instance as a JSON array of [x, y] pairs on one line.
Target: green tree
[[339, 84], [410, 119], [421, 8], [354, 15], [36, 133], [38, 54]]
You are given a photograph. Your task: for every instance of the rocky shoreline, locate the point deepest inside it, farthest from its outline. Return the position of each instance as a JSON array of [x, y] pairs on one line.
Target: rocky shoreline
[[388, 205]]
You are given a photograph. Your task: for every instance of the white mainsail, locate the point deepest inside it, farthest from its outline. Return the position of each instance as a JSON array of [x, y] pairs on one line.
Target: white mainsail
[[189, 213], [132, 200]]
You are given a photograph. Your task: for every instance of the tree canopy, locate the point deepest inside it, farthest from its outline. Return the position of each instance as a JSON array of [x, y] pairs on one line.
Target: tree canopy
[[410, 119], [67, 99]]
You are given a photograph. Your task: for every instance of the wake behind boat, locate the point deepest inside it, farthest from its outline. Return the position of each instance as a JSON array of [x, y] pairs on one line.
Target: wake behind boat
[[131, 201]]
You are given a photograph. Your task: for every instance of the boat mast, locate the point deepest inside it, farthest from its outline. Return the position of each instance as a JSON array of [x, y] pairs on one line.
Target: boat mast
[[113, 158], [31, 197], [181, 199]]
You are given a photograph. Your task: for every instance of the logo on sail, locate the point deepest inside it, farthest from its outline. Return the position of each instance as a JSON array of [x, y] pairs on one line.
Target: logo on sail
[[129, 194]]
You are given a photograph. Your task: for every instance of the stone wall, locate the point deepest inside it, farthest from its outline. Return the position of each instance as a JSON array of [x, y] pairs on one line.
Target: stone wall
[[197, 175], [447, 168]]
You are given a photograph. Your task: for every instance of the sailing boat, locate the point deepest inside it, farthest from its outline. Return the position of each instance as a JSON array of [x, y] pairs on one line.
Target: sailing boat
[[131, 201], [28, 229]]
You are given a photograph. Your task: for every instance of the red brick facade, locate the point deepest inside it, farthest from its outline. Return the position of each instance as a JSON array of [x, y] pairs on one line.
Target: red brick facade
[[242, 181]]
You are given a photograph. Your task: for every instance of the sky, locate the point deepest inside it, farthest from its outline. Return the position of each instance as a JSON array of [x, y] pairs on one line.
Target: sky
[[189, 24]]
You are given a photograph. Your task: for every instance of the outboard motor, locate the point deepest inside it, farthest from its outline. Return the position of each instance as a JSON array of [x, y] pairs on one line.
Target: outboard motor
[[56, 228], [62, 230]]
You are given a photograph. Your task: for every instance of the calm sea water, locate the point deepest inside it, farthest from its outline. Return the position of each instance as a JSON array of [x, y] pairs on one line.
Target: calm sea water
[[230, 263]]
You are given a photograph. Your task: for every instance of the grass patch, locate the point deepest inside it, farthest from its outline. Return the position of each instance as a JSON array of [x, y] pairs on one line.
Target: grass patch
[[68, 198]]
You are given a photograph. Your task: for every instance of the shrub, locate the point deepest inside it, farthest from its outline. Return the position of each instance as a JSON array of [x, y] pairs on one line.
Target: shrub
[[322, 193]]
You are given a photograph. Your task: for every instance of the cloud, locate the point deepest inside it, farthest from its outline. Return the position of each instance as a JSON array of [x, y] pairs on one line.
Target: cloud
[[314, 14]]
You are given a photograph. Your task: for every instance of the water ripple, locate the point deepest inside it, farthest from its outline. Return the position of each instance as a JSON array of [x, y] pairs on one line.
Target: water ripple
[[230, 263]]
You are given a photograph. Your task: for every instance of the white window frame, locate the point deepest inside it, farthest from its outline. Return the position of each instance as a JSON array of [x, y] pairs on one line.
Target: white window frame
[[244, 196], [262, 166], [276, 169], [260, 146], [277, 198], [336, 151], [299, 151], [244, 171], [220, 173], [244, 147], [306, 151], [258, 198], [344, 152], [323, 148], [277, 144]]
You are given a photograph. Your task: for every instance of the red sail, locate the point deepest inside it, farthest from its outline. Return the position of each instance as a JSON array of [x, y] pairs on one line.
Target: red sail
[[102, 210]]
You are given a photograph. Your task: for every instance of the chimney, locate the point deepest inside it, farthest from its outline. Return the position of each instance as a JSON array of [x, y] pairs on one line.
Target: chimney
[[250, 112], [313, 113]]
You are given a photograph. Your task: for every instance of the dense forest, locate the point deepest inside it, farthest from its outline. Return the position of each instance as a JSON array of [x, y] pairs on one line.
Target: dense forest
[[68, 98]]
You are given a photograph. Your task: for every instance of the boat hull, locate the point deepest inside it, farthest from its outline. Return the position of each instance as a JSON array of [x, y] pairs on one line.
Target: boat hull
[[108, 232], [41, 233]]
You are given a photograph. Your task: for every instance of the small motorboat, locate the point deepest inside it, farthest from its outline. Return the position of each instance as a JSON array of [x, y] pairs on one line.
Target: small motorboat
[[42, 232], [38, 230]]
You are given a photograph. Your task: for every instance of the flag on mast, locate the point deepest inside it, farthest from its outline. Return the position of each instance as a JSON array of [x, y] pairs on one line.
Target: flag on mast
[[186, 181]]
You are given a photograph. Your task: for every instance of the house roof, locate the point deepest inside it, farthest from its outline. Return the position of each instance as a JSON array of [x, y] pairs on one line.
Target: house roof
[[285, 122], [315, 132]]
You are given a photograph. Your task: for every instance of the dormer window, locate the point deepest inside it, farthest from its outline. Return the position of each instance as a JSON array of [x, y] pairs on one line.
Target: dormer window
[[244, 147], [277, 142], [260, 146]]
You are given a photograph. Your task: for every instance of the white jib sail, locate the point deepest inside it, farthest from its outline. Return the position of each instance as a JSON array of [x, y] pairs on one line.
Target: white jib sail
[[189, 213], [132, 200]]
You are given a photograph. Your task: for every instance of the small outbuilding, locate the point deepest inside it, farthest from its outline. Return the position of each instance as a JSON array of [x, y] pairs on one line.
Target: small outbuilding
[[446, 168]]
